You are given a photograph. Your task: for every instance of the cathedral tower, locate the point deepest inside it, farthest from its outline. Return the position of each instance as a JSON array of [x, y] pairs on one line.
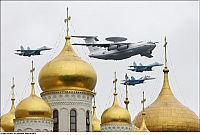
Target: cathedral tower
[[143, 127], [96, 124], [166, 113], [67, 83], [6, 120], [33, 114], [116, 118]]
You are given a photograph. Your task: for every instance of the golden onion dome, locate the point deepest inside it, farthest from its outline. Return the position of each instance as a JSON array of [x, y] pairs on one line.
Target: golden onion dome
[[33, 107], [166, 113], [7, 123], [96, 124], [116, 114], [67, 71]]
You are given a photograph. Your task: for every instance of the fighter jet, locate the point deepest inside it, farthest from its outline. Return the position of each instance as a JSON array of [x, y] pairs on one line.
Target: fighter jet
[[117, 49], [29, 52], [141, 68], [132, 81]]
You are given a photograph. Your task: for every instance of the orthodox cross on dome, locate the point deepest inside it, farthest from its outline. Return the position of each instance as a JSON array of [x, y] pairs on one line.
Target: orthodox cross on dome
[[67, 22], [115, 82], [142, 101], [126, 101], [32, 70], [32, 82], [12, 87], [165, 46]]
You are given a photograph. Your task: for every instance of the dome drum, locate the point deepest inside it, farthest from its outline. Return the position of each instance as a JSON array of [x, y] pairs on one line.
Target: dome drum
[[72, 91]]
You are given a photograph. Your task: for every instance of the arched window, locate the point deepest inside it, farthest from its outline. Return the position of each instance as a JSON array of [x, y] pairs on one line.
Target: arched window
[[87, 121], [55, 121], [73, 121]]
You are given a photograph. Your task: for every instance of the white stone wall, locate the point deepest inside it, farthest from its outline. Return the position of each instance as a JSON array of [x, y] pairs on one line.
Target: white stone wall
[[116, 128], [33, 125], [67, 100]]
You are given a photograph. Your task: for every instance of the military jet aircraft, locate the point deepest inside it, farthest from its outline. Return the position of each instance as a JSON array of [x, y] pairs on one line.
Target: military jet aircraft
[[141, 68], [132, 81], [29, 52], [117, 49]]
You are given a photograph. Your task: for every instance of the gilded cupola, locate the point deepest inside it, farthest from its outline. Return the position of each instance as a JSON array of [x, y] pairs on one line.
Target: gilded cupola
[[96, 124], [33, 106], [166, 113], [67, 71], [7, 123], [115, 114]]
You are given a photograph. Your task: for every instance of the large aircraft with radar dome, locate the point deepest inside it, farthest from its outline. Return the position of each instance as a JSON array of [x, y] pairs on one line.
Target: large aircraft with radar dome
[[117, 49]]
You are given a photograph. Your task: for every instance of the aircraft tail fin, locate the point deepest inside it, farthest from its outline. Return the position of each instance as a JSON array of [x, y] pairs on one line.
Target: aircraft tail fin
[[134, 63], [141, 64], [90, 40], [21, 47], [132, 78], [28, 48]]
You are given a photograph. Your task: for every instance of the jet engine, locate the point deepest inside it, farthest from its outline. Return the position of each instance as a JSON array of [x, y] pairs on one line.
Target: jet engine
[[113, 47], [122, 47]]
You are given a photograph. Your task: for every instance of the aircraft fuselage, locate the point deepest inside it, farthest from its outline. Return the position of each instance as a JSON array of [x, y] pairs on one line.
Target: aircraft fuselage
[[132, 49]]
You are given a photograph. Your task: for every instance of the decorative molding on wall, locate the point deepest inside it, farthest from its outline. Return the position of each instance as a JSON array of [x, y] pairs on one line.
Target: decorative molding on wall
[[116, 128]]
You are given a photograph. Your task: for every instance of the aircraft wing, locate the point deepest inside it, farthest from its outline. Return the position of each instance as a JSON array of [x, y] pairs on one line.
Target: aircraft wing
[[25, 50], [22, 50], [102, 45], [138, 66], [97, 45], [19, 53]]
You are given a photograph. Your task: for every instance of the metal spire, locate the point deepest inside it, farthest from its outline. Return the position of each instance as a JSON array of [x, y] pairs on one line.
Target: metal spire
[[115, 102], [32, 70], [13, 95], [142, 101], [67, 21], [115, 82], [165, 46], [126, 101], [126, 86], [143, 126], [32, 82]]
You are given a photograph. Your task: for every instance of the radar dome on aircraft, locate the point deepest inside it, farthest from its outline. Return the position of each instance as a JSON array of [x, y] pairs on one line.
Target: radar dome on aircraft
[[116, 39]]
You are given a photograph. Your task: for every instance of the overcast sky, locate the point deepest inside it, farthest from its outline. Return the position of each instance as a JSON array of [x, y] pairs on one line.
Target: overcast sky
[[36, 24]]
